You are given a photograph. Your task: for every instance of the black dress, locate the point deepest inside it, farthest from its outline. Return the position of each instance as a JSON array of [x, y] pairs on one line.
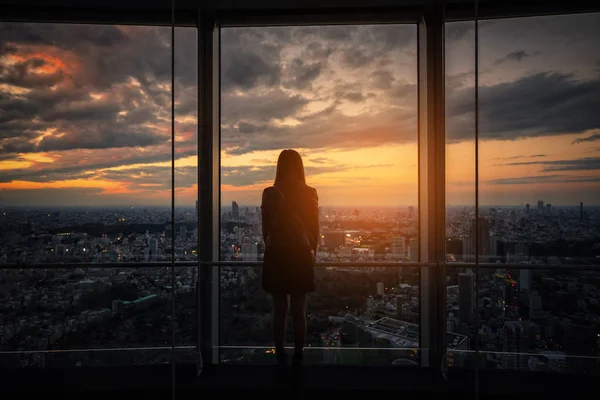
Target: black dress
[[286, 269]]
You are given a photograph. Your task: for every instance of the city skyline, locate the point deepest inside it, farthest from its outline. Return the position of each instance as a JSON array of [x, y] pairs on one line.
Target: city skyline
[[77, 132]]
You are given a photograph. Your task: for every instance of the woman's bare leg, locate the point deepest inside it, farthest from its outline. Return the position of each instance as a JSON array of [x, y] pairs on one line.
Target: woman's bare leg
[[298, 309], [280, 308]]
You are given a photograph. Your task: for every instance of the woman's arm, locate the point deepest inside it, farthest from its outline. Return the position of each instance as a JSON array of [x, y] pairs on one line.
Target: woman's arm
[[314, 221], [265, 216]]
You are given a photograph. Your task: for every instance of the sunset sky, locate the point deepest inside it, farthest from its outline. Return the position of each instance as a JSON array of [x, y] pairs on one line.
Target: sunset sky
[[85, 112]]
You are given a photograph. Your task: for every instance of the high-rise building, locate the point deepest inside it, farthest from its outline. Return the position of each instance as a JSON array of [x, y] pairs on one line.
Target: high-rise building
[[250, 251], [548, 210], [413, 249], [411, 212], [516, 340], [466, 298], [399, 313], [525, 280], [493, 245], [527, 207], [535, 306], [398, 247], [235, 211], [581, 343], [380, 288], [483, 238]]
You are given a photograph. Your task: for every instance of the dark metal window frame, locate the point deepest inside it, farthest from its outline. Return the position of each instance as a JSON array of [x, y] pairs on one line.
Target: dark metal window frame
[[430, 20]]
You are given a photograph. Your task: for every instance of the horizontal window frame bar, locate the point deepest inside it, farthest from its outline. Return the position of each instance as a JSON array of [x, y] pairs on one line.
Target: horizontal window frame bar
[[362, 16], [220, 264], [97, 349], [99, 16], [573, 267], [186, 14], [324, 264], [461, 10]]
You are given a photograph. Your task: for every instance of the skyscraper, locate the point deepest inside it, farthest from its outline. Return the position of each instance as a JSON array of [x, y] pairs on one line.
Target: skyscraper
[[525, 280], [398, 247], [483, 238], [581, 340], [235, 211], [413, 249], [466, 298], [516, 340]]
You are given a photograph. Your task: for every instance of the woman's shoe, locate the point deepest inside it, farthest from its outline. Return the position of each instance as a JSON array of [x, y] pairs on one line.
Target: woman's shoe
[[298, 359]]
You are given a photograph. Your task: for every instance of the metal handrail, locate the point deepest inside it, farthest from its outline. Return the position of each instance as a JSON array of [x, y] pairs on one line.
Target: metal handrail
[[574, 267], [319, 264], [241, 264]]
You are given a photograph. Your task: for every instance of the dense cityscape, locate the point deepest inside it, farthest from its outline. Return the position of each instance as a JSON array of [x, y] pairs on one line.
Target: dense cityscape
[[528, 317]]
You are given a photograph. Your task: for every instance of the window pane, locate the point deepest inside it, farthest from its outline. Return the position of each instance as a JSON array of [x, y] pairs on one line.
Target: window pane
[[356, 316], [539, 183], [85, 164], [186, 189], [345, 97], [460, 189]]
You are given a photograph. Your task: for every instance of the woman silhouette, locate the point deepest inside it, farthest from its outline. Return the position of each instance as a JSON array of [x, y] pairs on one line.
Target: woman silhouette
[[290, 221]]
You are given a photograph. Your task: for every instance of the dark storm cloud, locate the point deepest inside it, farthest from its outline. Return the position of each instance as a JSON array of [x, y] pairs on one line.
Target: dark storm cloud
[[581, 164], [333, 132], [249, 58], [355, 58], [86, 170], [459, 30], [247, 70], [321, 160], [320, 114], [260, 107], [158, 177], [513, 56], [251, 118], [373, 44], [23, 74], [537, 179], [114, 137], [382, 79], [317, 51], [592, 138], [543, 104], [517, 157], [302, 74], [464, 30], [58, 35], [248, 175], [90, 59], [354, 97]]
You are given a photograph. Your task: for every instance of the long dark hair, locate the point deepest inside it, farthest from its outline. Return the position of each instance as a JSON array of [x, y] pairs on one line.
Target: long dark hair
[[290, 169]]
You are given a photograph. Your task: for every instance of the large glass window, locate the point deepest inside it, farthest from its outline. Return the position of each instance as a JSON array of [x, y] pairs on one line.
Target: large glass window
[[537, 192], [85, 162], [345, 97]]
